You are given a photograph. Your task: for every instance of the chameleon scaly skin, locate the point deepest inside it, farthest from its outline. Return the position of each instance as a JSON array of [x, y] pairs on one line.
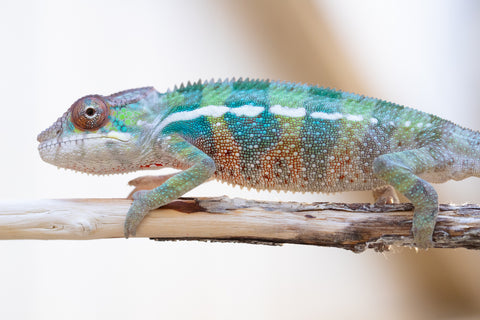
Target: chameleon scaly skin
[[266, 135]]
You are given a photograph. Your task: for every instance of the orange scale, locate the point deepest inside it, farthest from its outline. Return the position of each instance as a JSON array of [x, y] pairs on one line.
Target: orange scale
[[226, 153], [288, 148]]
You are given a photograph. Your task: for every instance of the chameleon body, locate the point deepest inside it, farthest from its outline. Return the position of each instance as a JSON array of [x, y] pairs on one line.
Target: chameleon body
[[265, 135]]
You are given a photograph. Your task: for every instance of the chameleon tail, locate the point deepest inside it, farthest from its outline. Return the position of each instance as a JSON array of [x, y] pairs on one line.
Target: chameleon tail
[[473, 150]]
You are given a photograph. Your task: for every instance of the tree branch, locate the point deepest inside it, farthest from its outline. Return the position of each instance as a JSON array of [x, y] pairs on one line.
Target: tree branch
[[354, 227]]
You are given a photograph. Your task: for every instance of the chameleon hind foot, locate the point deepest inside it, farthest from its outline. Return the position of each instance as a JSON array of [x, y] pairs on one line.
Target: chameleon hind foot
[[422, 226], [401, 170]]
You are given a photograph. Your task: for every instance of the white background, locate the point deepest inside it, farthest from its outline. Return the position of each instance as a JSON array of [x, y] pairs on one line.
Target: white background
[[424, 54]]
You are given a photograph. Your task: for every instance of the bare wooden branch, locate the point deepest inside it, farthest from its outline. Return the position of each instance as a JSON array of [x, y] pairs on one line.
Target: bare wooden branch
[[354, 227]]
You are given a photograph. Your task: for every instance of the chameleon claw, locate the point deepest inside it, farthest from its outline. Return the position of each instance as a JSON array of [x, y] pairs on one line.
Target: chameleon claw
[[130, 226], [422, 237], [127, 232]]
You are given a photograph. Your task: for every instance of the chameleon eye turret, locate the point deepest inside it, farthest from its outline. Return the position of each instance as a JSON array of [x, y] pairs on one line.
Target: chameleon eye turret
[[89, 113]]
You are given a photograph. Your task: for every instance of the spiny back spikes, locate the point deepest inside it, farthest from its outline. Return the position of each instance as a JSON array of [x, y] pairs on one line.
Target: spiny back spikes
[[274, 84]]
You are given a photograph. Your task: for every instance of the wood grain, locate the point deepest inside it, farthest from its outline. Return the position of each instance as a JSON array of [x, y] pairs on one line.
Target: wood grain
[[354, 226]]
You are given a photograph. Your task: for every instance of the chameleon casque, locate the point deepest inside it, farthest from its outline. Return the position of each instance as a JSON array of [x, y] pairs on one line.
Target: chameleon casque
[[265, 135]]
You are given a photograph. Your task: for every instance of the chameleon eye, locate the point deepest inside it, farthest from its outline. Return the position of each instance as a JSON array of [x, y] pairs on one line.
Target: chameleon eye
[[89, 113]]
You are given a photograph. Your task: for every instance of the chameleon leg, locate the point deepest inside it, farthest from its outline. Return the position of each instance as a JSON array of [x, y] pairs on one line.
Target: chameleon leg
[[201, 169], [400, 171], [385, 195]]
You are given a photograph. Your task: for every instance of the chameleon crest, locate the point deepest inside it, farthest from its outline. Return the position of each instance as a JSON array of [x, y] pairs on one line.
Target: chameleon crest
[[265, 135]]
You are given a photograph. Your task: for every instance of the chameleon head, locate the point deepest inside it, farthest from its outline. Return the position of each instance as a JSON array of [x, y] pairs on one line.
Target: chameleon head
[[98, 134]]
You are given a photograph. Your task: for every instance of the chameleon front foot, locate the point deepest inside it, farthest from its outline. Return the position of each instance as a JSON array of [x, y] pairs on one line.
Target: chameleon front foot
[[138, 210]]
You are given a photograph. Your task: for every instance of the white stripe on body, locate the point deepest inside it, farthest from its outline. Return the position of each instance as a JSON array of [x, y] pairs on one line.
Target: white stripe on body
[[254, 111], [326, 116], [288, 112], [247, 110]]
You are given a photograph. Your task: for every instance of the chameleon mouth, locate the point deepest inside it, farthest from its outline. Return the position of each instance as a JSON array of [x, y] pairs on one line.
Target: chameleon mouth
[[59, 142]]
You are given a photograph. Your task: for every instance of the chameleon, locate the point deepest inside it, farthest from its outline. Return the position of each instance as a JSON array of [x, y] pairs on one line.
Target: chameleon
[[267, 135]]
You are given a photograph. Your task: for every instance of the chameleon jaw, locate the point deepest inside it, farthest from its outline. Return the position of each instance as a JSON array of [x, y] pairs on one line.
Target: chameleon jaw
[[92, 153]]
